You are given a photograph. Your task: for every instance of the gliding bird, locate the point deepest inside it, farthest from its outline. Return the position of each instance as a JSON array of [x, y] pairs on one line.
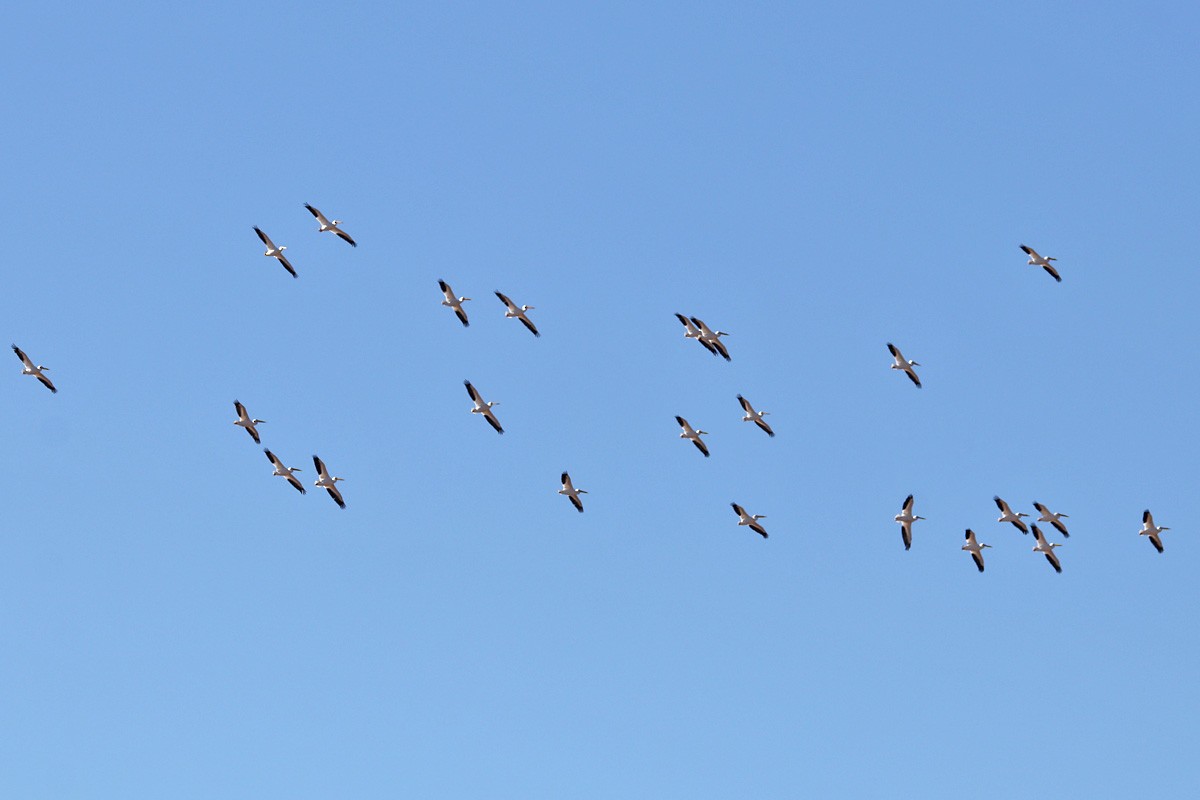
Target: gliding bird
[[286, 472], [328, 483], [692, 434], [244, 421], [512, 312], [1054, 519], [1151, 530], [332, 227], [1007, 515], [750, 520], [483, 408], [454, 302], [1044, 263], [755, 416], [1046, 547], [906, 519], [975, 549], [275, 252], [572, 493], [35, 370], [690, 331], [904, 364]]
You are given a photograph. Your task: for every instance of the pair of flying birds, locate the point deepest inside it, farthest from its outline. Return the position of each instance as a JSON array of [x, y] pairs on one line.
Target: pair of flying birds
[[511, 309], [693, 434], [710, 340], [325, 225], [324, 479]]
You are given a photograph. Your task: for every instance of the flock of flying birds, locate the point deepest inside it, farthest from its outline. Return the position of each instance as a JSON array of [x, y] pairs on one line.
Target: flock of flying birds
[[693, 328]]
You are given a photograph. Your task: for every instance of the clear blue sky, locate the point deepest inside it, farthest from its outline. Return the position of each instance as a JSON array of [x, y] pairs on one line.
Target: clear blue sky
[[176, 622]]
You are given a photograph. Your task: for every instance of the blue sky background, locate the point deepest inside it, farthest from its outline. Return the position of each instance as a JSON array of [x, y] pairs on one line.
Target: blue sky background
[[818, 180]]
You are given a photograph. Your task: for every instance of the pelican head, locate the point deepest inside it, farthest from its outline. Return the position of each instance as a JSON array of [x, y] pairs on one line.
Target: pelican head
[[258, 421], [984, 545], [1163, 528], [917, 518], [758, 516], [702, 433], [527, 308], [47, 369], [336, 222], [463, 299], [914, 363]]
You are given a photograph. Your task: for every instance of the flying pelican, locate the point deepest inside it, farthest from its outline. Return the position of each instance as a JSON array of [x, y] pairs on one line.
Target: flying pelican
[[904, 364], [750, 521], [275, 252], [1043, 546], [483, 408], [244, 421], [1151, 530], [517, 313], [755, 416], [327, 483], [572, 493], [454, 302], [35, 371], [690, 331], [694, 435], [906, 519], [712, 337], [1054, 519], [286, 472], [1044, 263], [326, 225], [1007, 515], [975, 548]]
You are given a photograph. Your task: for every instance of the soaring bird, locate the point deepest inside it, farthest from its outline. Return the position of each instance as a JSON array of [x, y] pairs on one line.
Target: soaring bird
[[906, 519], [1044, 263], [690, 331], [1054, 519], [750, 520], [286, 472], [454, 302], [975, 549], [513, 312], [1043, 546], [693, 434], [244, 421], [572, 493], [709, 336], [755, 416], [332, 227], [904, 364], [483, 408], [35, 370], [1152, 530], [327, 482], [275, 252], [1007, 515]]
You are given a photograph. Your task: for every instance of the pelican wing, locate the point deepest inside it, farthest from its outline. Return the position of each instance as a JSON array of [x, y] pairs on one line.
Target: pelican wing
[[345, 237], [895, 351], [1037, 534], [336, 495], [473, 392], [287, 265], [265, 239], [721, 348], [532, 328], [445, 287], [1058, 526], [320, 217], [912, 376], [491, 418], [760, 422], [687, 323], [683, 423], [462, 317], [908, 504], [575, 501], [978, 559], [294, 481], [1029, 251], [754, 526], [740, 511], [49, 385], [906, 534], [1053, 272], [1154, 540], [745, 405], [250, 429], [1148, 519], [24, 358], [1053, 559], [320, 465], [271, 457], [701, 446], [1003, 506], [1041, 508], [241, 410], [504, 299]]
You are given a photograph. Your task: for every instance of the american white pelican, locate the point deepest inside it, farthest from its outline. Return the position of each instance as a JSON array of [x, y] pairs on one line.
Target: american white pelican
[[694, 435], [572, 493], [1043, 546], [286, 472], [332, 227], [244, 421], [1152, 530], [712, 337], [328, 483], [975, 549], [1007, 515], [1044, 263], [275, 252], [513, 312], [755, 416], [454, 302], [35, 370], [690, 331], [750, 520], [904, 364], [906, 519], [1054, 519], [483, 408]]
